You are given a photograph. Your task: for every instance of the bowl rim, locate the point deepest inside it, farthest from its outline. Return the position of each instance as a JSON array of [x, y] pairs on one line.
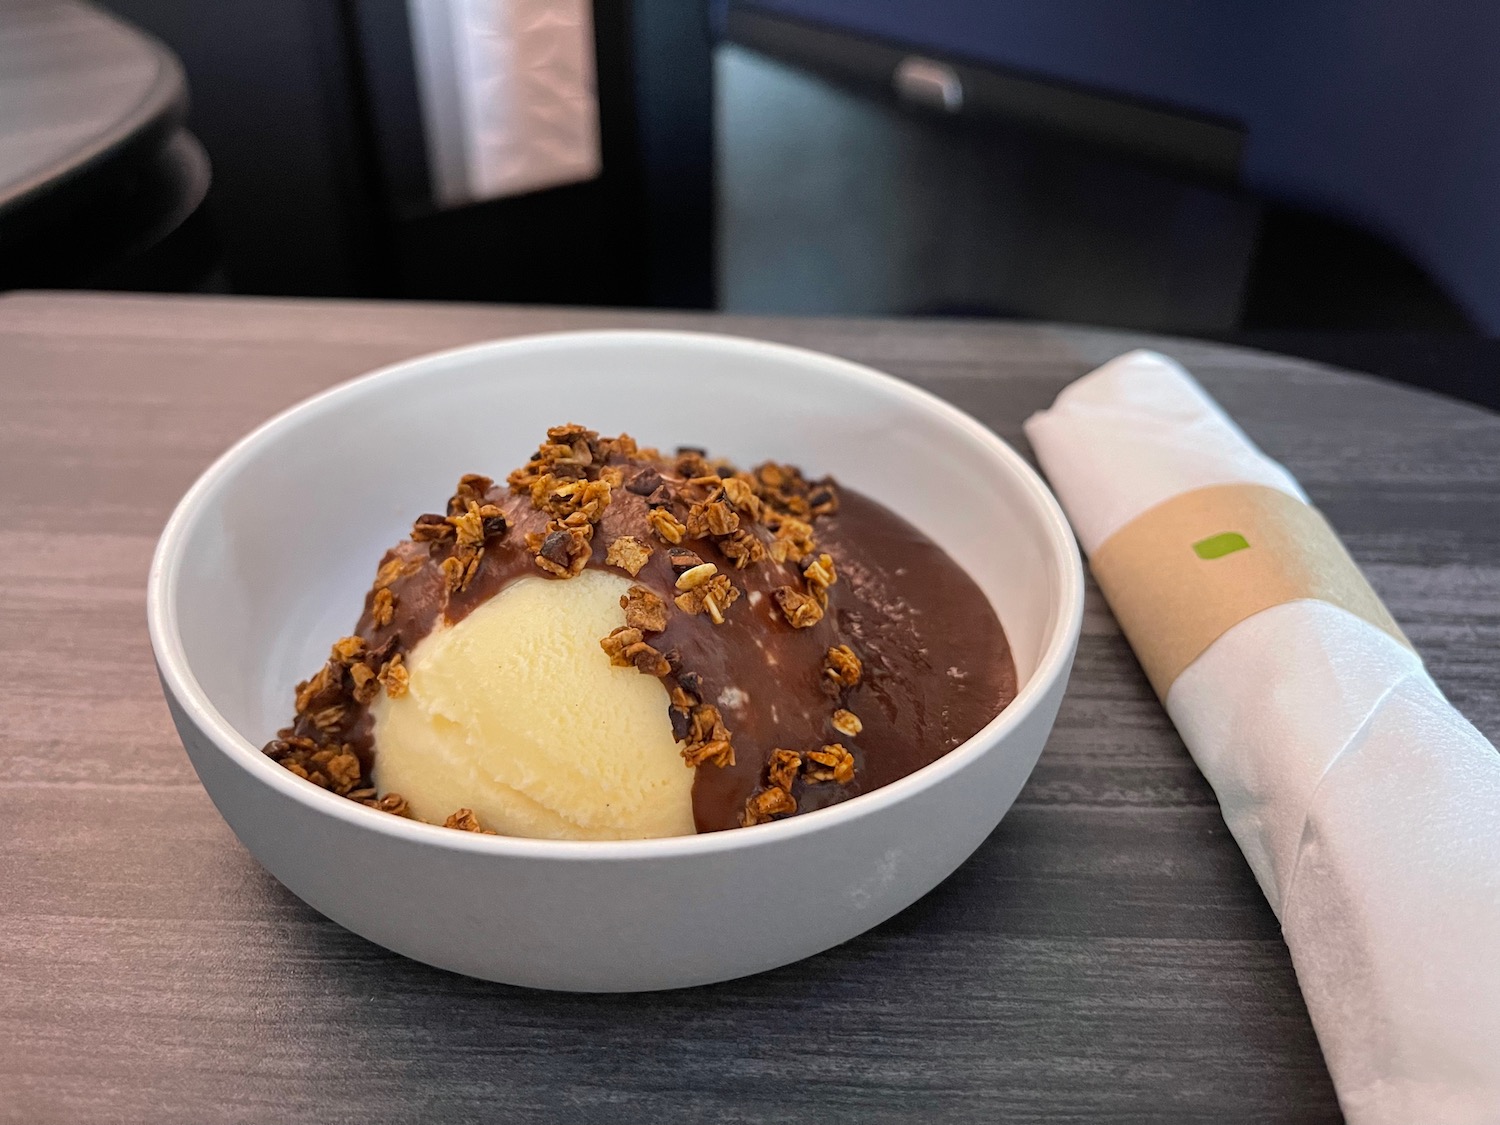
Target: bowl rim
[[182, 685]]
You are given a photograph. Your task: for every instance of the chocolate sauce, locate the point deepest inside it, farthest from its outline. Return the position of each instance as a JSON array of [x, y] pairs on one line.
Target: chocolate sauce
[[936, 664]]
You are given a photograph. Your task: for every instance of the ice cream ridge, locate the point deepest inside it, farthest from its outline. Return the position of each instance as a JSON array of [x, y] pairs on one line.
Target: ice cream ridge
[[617, 644]]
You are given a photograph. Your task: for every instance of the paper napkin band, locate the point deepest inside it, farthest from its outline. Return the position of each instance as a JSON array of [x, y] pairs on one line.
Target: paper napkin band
[[1184, 572]]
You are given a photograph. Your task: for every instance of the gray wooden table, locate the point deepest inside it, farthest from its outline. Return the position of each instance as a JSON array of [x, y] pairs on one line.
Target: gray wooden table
[[1104, 957]]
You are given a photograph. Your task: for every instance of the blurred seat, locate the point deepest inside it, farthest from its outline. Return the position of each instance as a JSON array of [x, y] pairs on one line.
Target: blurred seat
[[325, 182], [1376, 119], [99, 182]]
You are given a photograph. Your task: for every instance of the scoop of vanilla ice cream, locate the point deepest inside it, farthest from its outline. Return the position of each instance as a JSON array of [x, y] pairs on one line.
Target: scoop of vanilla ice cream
[[517, 714]]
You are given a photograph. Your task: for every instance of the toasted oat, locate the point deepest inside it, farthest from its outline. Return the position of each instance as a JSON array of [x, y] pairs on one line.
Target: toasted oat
[[394, 677], [707, 723], [288, 744], [465, 821], [343, 771], [783, 488], [285, 744], [644, 610], [784, 767], [740, 492], [542, 488], [395, 568], [325, 687], [831, 763], [561, 497], [382, 607], [841, 668], [668, 528], [801, 610], [766, 805], [565, 455], [459, 569], [793, 537], [581, 443], [472, 488], [366, 683], [346, 650], [593, 498], [649, 661], [627, 648], [713, 517], [819, 573], [468, 528], [773, 477], [331, 765], [618, 642], [707, 739], [718, 752], [713, 597], [742, 548], [329, 718], [846, 723], [566, 459], [480, 522], [696, 576], [684, 699], [563, 549], [431, 528], [393, 803], [691, 461], [628, 553]]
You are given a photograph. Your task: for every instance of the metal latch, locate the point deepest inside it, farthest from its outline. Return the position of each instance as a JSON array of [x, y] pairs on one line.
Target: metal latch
[[929, 83]]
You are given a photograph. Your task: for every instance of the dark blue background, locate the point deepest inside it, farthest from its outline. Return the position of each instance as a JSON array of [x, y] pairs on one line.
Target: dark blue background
[[1385, 113]]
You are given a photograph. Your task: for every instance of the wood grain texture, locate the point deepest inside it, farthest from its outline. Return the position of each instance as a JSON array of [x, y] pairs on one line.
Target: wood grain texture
[[1105, 957]]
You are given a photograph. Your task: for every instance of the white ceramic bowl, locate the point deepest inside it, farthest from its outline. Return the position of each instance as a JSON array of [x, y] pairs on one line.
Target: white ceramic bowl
[[267, 558]]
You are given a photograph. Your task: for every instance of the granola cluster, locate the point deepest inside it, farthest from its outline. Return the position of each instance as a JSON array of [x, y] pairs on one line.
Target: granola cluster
[[790, 770], [568, 479], [627, 646], [747, 518], [314, 747], [471, 522], [331, 705], [697, 725]]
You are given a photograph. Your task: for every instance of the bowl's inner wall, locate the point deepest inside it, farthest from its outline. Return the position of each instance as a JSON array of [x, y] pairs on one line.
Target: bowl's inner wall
[[278, 556]]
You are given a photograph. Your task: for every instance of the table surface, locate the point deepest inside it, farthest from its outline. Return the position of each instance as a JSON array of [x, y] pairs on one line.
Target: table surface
[[1105, 957], [75, 85]]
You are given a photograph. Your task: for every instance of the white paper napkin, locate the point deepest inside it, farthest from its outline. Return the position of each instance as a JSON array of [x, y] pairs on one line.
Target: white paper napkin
[[1368, 808]]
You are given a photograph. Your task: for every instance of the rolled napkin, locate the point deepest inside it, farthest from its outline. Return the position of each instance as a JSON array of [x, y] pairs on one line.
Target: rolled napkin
[[1368, 808]]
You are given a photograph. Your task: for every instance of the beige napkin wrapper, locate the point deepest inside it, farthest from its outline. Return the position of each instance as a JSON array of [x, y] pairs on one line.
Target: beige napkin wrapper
[[1181, 574]]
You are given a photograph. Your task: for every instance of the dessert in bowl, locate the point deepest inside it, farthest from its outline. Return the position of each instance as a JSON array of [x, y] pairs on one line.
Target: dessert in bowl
[[801, 644], [841, 802]]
